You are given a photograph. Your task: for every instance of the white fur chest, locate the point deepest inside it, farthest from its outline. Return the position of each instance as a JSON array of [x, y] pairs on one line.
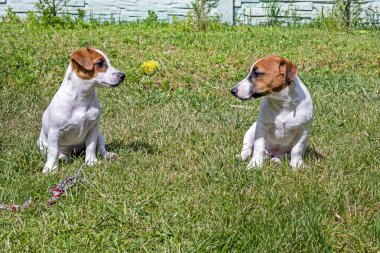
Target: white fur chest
[[281, 133], [79, 124], [284, 122]]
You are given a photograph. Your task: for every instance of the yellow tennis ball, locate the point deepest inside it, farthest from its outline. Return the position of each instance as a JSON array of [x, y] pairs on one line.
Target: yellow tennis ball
[[149, 67]]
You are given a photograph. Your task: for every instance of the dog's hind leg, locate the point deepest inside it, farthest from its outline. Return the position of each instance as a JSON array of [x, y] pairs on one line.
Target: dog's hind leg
[[248, 141]]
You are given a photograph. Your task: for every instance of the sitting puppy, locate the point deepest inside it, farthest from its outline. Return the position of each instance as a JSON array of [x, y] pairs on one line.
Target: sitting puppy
[[285, 114], [71, 121]]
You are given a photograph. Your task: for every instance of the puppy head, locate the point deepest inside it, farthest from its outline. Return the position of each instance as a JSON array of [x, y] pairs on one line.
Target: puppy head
[[92, 65], [268, 75]]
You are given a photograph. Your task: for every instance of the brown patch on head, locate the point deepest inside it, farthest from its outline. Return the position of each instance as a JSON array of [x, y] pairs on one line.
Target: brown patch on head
[[271, 74], [87, 63]]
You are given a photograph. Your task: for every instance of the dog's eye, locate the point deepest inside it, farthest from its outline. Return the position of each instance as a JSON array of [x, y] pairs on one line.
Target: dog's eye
[[256, 73], [100, 64]]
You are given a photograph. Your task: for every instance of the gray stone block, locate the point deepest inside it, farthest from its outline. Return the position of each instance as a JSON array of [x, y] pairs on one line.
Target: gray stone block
[[303, 6], [76, 3], [254, 12]]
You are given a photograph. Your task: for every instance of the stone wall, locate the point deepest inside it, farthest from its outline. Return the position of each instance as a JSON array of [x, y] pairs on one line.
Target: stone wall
[[120, 10], [256, 11], [240, 11]]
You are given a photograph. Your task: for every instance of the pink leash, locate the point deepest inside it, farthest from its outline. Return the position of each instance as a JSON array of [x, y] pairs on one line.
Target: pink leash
[[56, 192]]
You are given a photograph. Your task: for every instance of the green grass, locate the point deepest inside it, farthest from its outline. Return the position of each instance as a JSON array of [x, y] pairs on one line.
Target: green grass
[[177, 186]]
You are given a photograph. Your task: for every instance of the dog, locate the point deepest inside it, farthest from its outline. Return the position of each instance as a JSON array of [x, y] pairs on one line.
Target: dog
[[285, 115], [71, 121]]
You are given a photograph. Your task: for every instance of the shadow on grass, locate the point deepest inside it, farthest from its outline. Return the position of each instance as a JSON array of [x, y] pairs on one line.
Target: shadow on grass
[[311, 153], [135, 146], [115, 146]]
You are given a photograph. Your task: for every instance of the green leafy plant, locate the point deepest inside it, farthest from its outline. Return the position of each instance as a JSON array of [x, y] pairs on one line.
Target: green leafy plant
[[372, 18], [79, 21], [200, 13], [10, 16], [185, 24], [346, 14], [152, 18], [349, 12], [292, 17], [94, 21], [273, 11], [80, 16], [31, 20], [61, 21], [49, 10], [327, 19]]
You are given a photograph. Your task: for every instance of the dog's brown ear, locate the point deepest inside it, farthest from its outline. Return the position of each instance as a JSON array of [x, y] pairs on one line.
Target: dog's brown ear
[[288, 69], [82, 57]]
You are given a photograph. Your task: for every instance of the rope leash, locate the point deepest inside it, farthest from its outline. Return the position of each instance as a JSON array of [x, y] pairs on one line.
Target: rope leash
[[56, 192], [14, 208]]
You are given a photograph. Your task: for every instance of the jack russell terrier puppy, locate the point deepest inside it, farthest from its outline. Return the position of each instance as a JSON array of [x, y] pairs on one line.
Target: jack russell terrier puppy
[[71, 121], [285, 115]]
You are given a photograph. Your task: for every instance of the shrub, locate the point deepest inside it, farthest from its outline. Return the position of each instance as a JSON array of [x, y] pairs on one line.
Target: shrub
[[292, 17], [10, 16], [49, 10], [372, 18], [200, 13], [152, 18], [348, 12], [273, 11]]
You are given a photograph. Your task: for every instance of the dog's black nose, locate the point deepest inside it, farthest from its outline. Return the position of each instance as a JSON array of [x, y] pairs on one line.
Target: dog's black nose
[[234, 91], [121, 76]]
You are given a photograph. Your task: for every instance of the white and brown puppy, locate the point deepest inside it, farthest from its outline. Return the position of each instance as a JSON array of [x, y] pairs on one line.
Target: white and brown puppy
[[71, 121], [285, 114]]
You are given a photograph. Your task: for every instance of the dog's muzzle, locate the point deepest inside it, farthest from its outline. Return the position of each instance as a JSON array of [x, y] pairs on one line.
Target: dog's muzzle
[[119, 77], [234, 91]]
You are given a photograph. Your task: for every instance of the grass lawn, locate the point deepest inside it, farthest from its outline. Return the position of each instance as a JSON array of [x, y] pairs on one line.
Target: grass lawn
[[177, 185]]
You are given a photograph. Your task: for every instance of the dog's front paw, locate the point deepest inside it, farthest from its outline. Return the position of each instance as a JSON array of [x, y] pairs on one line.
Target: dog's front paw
[[64, 158], [296, 163], [48, 169], [276, 159], [245, 154], [91, 161], [255, 163], [111, 156]]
